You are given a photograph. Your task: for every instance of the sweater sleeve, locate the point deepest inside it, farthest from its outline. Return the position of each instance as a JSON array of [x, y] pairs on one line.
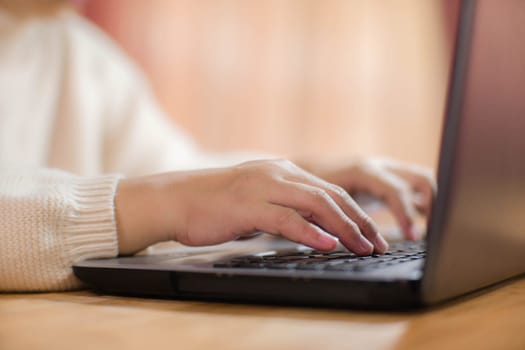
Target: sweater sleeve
[[49, 220]]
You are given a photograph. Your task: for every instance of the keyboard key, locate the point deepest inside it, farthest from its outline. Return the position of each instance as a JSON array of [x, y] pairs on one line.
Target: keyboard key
[[331, 261]]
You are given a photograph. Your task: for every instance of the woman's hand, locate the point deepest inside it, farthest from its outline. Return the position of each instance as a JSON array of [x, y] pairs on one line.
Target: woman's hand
[[406, 188], [275, 196]]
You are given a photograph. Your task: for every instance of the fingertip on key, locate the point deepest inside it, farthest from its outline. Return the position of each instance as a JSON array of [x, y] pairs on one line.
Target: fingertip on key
[[364, 247], [381, 245], [326, 242]]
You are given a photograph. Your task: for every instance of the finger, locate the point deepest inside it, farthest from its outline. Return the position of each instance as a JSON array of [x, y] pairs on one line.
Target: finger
[[316, 205], [358, 215], [398, 196], [288, 223], [420, 179], [422, 202], [351, 209]]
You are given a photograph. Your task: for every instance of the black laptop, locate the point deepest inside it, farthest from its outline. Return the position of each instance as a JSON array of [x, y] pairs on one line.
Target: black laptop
[[476, 231]]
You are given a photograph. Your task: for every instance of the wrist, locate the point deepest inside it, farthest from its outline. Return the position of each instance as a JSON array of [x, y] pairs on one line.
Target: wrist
[[138, 203]]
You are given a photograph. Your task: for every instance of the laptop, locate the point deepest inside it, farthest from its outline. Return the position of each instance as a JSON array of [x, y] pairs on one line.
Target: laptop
[[475, 234]]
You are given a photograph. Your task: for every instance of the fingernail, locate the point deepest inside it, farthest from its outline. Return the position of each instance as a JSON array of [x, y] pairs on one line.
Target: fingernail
[[381, 244], [365, 247], [327, 242]]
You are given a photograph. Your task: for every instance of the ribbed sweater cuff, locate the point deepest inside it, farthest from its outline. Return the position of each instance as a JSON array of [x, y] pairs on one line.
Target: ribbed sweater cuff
[[90, 228]]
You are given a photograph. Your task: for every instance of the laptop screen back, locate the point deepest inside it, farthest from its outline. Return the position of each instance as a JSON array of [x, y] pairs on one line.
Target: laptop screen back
[[477, 231]]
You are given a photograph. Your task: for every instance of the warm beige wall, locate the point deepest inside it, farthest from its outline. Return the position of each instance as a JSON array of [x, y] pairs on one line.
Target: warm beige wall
[[294, 77]]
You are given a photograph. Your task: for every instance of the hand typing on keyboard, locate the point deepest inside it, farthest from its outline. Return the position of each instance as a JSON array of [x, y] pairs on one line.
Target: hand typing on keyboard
[[399, 253], [407, 189], [212, 206]]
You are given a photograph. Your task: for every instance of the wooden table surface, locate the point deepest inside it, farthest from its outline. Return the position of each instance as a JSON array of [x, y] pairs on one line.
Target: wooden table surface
[[494, 319]]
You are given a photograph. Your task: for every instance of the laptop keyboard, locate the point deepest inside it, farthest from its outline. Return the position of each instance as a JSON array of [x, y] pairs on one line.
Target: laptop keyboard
[[399, 253]]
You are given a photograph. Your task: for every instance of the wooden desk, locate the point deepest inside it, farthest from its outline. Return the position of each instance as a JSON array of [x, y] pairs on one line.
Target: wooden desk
[[85, 320]]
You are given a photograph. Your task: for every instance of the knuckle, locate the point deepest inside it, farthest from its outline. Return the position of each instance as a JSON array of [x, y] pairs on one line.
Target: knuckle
[[370, 166], [269, 166], [246, 170], [427, 174], [282, 163], [278, 166], [341, 192], [362, 163], [397, 189], [319, 194], [366, 222], [264, 172], [346, 198], [352, 227], [421, 171]]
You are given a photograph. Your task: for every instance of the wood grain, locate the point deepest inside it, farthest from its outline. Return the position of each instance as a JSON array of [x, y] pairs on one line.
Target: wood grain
[[494, 319]]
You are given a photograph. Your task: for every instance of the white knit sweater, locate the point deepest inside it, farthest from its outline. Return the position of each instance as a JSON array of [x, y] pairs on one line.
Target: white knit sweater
[[70, 100]]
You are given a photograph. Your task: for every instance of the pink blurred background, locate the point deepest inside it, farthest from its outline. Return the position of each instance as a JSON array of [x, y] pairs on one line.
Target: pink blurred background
[[295, 77]]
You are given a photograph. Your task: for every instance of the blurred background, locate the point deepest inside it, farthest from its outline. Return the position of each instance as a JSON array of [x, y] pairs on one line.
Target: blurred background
[[328, 78]]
